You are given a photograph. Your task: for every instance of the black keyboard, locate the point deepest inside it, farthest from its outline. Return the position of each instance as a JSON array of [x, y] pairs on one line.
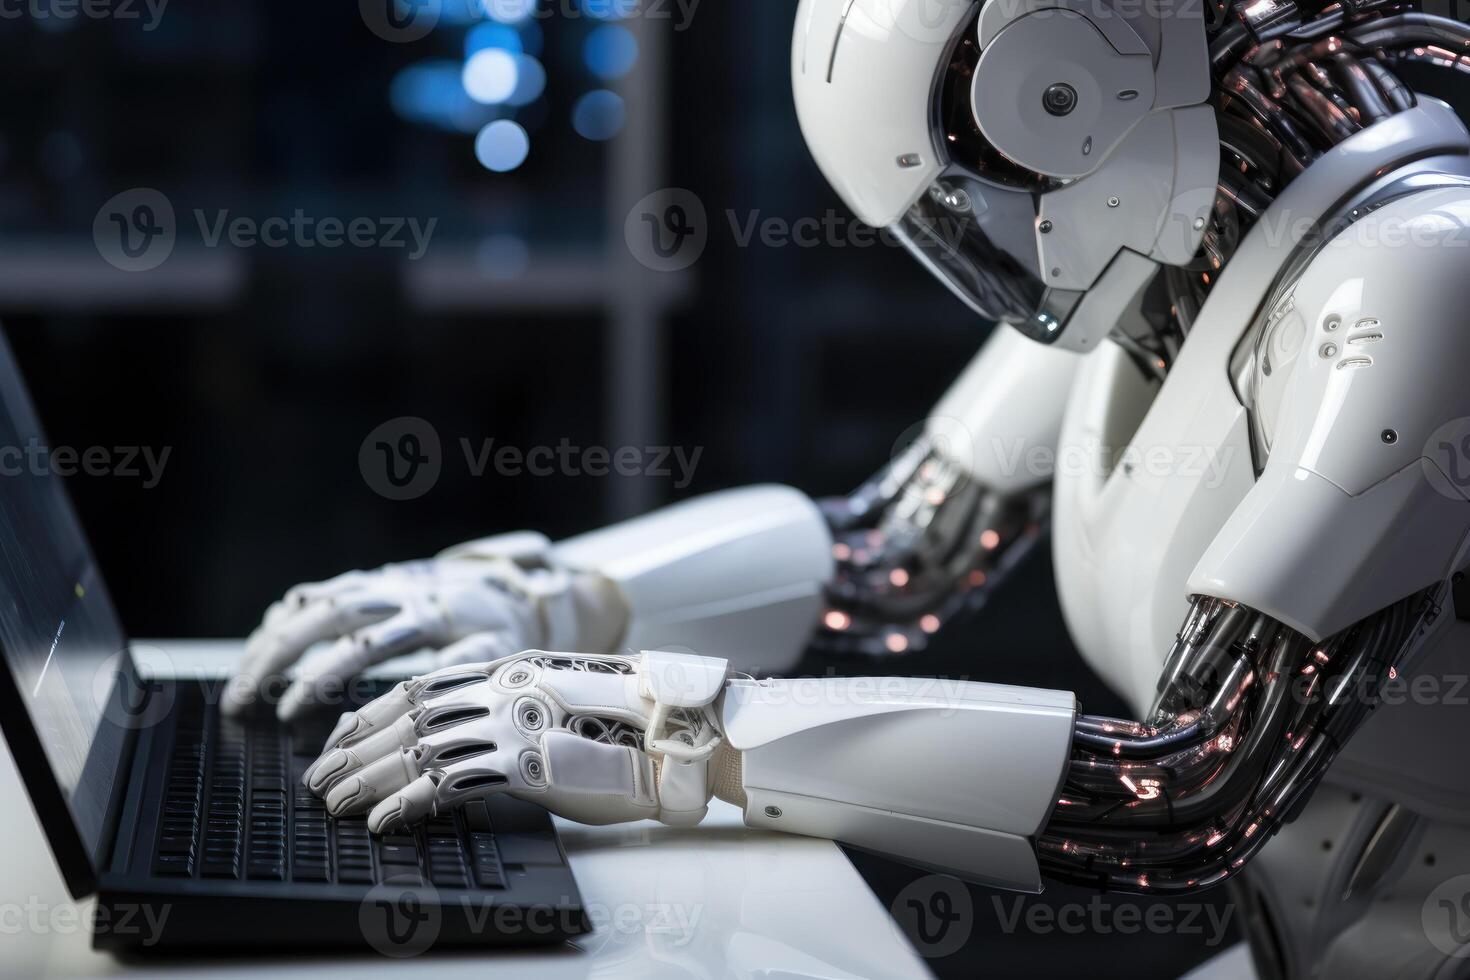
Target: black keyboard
[[234, 808]]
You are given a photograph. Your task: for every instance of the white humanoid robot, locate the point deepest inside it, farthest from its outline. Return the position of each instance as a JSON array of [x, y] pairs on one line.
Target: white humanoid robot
[[1237, 394]]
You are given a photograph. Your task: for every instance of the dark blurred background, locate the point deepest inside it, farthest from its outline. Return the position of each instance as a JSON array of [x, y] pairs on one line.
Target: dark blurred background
[[527, 319]]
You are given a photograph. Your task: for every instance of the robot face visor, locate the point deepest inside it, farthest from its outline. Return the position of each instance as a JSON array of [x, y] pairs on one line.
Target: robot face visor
[[979, 240]]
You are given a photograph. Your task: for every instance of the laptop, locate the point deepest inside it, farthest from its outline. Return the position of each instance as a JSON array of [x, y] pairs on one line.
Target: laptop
[[194, 830]]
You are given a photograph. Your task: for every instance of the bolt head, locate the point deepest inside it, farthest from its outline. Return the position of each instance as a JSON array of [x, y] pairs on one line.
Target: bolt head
[[1059, 99]]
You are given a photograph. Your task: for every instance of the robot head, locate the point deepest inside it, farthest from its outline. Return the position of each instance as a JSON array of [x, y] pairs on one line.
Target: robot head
[[1041, 157]]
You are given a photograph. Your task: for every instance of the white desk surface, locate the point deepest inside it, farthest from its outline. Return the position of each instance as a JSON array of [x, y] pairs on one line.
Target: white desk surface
[[717, 900]]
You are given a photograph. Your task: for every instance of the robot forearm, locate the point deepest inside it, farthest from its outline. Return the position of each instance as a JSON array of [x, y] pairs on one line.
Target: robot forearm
[[937, 529], [738, 574], [952, 775], [1249, 715]]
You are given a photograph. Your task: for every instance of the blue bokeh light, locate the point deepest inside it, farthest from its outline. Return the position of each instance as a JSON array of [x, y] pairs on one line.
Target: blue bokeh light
[[599, 115], [502, 146], [490, 76], [610, 51]]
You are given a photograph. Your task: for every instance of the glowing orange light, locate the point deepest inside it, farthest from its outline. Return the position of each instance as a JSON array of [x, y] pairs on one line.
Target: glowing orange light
[[837, 620], [897, 643], [989, 539], [929, 624], [841, 552], [899, 578]]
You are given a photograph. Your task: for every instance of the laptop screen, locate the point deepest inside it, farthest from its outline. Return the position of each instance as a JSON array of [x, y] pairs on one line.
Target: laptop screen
[[61, 638]]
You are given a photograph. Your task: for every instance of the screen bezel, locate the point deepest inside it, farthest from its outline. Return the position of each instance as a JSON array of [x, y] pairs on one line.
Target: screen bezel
[[80, 860]]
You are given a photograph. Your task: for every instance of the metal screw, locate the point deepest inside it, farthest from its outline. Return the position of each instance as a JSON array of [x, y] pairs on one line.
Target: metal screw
[[1059, 99], [1329, 350], [1332, 323], [1199, 223], [956, 200], [1113, 202], [1390, 437], [773, 812], [1046, 227]]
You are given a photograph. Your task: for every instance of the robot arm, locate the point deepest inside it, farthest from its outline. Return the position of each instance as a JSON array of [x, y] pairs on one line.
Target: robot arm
[[932, 534], [990, 782], [888, 764]]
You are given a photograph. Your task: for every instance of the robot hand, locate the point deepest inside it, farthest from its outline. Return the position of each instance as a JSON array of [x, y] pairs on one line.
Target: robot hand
[[507, 592], [597, 739]]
